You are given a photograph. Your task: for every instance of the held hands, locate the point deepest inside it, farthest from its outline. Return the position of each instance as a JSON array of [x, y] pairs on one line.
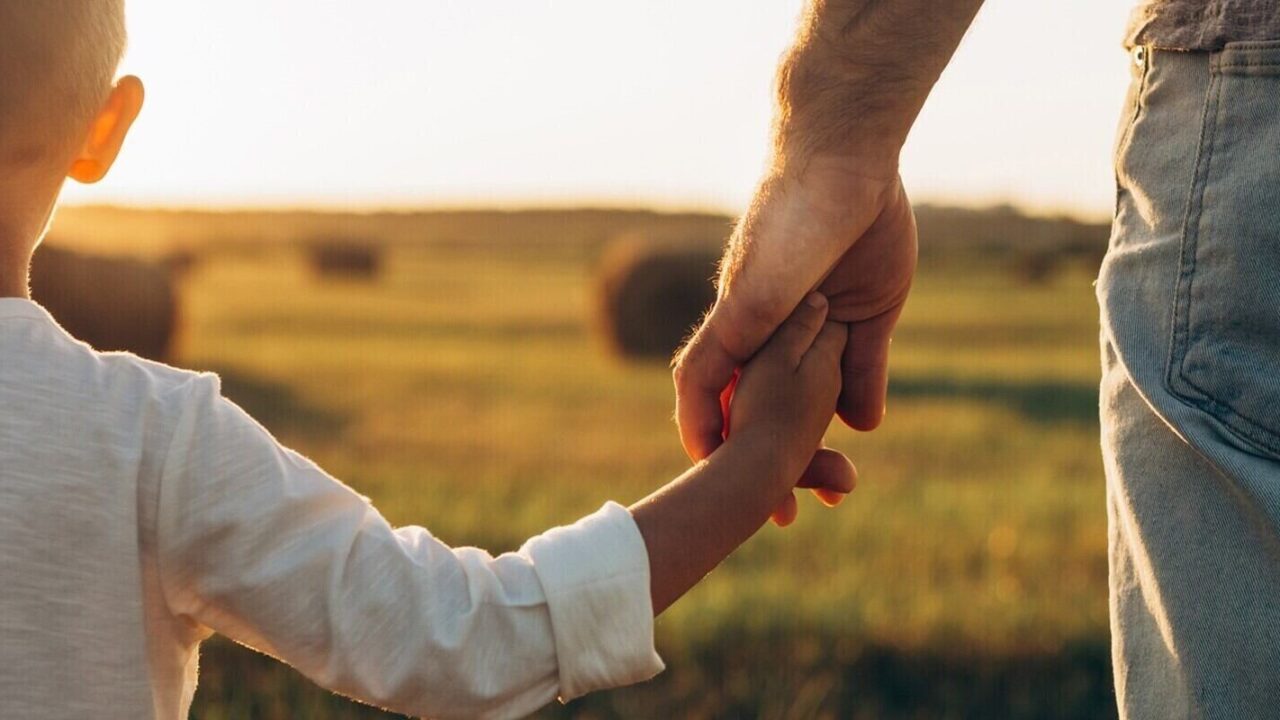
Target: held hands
[[840, 226], [781, 403]]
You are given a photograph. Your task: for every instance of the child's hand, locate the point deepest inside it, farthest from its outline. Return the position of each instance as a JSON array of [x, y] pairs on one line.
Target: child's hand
[[786, 395], [784, 399]]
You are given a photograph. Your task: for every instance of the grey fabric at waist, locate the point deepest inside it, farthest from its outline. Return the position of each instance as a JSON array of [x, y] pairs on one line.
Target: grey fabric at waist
[[1202, 24]]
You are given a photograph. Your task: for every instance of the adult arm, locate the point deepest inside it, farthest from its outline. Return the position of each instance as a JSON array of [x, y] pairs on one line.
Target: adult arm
[[830, 212]]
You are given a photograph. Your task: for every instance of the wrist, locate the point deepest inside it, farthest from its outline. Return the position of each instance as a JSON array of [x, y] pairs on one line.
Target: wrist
[[829, 182], [799, 224], [814, 209], [865, 153], [764, 460], [855, 119]]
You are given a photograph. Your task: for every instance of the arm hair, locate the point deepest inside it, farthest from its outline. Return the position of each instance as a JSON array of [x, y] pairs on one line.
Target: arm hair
[[858, 74]]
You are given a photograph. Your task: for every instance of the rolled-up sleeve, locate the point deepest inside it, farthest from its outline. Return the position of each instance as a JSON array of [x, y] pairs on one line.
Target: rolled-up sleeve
[[595, 574], [256, 542]]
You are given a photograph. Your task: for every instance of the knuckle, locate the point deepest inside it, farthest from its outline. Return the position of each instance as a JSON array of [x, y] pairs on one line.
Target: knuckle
[[686, 359], [678, 373], [769, 313], [749, 321]]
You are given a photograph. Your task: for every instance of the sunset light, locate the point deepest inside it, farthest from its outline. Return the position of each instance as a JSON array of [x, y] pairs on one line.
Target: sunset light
[[313, 103], [622, 360]]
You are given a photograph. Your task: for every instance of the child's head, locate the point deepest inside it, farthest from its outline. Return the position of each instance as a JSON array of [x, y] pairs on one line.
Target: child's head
[[60, 113]]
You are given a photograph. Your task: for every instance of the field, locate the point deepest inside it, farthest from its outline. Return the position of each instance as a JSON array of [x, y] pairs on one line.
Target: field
[[464, 390]]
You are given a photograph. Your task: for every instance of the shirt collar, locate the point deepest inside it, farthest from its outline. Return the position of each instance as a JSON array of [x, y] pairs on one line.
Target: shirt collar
[[15, 307]]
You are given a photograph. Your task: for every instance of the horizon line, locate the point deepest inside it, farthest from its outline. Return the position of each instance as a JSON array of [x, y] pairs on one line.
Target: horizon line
[[549, 205]]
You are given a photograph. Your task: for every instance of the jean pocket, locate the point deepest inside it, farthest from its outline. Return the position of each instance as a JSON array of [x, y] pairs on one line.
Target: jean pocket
[[1225, 353]]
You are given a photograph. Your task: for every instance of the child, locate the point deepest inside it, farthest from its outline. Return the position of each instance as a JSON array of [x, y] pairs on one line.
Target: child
[[140, 511]]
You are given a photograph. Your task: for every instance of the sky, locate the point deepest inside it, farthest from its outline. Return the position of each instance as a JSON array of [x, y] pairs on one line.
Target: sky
[[408, 103]]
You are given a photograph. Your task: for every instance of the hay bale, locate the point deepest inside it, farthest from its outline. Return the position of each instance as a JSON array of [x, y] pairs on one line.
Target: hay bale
[[345, 258], [1036, 267], [112, 303], [651, 296], [181, 262]]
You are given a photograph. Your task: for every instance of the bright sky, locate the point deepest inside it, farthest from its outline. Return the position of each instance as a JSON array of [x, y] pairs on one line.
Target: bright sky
[[416, 102]]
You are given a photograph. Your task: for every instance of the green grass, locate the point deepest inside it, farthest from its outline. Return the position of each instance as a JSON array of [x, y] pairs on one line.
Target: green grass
[[465, 391]]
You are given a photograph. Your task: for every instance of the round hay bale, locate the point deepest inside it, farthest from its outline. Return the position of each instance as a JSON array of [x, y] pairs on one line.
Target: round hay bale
[[345, 258], [1036, 267], [180, 262], [112, 303], [651, 296]]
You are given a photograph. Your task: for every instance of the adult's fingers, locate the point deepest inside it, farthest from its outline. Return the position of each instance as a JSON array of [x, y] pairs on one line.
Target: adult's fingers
[[830, 475], [703, 369], [865, 371], [797, 334], [786, 512], [829, 345]]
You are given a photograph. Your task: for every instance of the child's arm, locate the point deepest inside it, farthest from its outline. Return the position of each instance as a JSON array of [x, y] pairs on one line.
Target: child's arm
[[782, 404], [255, 542]]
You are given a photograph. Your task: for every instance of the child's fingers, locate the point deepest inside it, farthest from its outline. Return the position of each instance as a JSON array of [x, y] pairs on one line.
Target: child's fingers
[[786, 512], [828, 346], [797, 333]]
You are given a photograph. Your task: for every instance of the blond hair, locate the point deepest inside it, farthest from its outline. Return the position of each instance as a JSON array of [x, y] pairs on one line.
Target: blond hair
[[58, 59]]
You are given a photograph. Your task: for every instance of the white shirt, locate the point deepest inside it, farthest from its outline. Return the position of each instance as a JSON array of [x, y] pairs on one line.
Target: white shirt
[[140, 512]]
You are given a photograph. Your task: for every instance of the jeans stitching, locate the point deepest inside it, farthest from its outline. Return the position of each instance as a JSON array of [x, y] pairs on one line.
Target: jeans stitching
[[1252, 55], [1127, 133], [1190, 231], [1270, 69], [1252, 45], [1176, 375]]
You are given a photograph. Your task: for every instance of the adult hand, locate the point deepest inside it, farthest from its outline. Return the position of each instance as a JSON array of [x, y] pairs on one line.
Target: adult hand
[[849, 235]]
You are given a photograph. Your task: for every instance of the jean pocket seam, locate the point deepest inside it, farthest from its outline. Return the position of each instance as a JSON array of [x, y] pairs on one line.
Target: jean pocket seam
[[1177, 379], [1248, 57], [1126, 136], [1178, 340], [1241, 425], [1265, 69], [1251, 46]]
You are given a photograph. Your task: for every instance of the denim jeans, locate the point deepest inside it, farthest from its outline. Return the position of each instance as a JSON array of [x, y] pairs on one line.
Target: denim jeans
[[1190, 304]]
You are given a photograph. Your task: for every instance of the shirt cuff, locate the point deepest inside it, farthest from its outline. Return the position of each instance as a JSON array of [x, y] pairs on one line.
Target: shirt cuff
[[595, 575]]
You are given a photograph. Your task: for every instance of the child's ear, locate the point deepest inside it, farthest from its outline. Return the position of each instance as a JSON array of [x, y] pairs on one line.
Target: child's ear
[[107, 131]]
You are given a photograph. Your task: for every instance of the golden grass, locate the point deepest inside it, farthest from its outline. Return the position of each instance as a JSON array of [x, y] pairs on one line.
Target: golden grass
[[463, 391]]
